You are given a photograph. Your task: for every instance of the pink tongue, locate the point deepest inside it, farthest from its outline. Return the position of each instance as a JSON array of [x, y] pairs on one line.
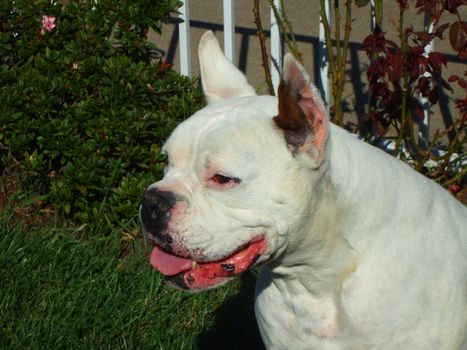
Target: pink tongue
[[168, 264]]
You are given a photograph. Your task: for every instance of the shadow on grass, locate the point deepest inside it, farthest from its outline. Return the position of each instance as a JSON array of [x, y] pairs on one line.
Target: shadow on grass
[[235, 324]]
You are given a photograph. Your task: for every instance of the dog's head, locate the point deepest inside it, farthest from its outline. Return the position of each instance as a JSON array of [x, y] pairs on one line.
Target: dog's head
[[239, 177]]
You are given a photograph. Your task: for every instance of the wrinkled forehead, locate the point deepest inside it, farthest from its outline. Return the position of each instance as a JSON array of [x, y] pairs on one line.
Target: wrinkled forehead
[[225, 122]]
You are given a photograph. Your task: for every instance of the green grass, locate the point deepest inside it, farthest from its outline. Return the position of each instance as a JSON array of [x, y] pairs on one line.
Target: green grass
[[62, 291]]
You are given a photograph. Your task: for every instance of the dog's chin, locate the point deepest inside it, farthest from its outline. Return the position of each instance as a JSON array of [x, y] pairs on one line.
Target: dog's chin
[[192, 275]]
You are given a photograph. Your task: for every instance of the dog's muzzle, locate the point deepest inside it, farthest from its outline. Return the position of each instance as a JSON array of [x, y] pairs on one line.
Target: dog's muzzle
[[155, 213], [180, 267]]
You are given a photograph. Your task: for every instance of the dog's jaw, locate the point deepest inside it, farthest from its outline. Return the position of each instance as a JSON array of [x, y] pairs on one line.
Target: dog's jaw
[[189, 274]]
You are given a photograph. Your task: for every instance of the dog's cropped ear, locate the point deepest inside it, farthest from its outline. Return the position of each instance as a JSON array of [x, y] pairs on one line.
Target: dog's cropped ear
[[219, 77], [302, 115]]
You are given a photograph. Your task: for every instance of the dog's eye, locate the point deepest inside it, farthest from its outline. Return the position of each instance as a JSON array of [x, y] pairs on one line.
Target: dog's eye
[[220, 179]]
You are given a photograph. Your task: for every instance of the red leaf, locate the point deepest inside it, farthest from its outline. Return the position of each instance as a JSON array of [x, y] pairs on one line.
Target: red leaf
[[463, 52], [396, 66], [424, 37], [417, 50], [423, 86], [458, 35], [377, 43], [434, 8], [462, 105], [439, 32], [453, 78], [437, 59], [454, 188], [463, 83], [166, 65], [452, 5], [418, 63], [403, 4]]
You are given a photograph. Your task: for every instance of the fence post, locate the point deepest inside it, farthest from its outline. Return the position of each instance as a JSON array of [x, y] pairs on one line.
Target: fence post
[[323, 57], [184, 30], [229, 30], [276, 47]]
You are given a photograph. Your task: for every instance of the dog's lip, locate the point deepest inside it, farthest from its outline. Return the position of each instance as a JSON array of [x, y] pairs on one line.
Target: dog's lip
[[201, 275]]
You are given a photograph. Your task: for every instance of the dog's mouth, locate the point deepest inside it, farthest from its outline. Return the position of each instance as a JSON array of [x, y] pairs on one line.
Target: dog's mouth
[[190, 274]]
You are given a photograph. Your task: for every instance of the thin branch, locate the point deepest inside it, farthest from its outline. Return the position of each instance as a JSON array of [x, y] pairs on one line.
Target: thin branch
[[347, 30], [405, 83], [286, 29], [342, 60], [262, 42], [327, 37], [337, 28], [461, 174], [290, 32]]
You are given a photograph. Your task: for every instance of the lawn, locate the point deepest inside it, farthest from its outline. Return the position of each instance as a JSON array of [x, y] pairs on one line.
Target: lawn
[[64, 289]]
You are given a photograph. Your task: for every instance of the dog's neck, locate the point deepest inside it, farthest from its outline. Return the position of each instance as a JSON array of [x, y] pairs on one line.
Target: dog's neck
[[326, 254], [369, 197], [317, 266], [315, 258]]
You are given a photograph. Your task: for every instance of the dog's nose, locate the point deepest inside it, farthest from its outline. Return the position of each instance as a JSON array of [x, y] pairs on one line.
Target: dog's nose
[[155, 209]]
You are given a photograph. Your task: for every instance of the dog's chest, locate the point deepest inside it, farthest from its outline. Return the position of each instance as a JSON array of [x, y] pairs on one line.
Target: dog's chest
[[289, 317]]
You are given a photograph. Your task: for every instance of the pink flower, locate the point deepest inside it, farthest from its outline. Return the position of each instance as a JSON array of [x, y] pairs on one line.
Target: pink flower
[[48, 23]]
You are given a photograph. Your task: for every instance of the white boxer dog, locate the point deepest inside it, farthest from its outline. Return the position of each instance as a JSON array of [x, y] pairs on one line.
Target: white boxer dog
[[357, 250]]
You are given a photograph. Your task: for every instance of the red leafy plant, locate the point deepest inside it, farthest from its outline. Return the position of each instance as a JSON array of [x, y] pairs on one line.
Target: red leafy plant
[[403, 76]]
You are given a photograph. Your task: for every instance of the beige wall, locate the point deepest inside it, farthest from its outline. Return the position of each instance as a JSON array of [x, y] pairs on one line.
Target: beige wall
[[304, 16]]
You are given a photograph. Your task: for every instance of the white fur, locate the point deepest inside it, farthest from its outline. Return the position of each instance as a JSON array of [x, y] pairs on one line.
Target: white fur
[[216, 68], [405, 274], [363, 252]]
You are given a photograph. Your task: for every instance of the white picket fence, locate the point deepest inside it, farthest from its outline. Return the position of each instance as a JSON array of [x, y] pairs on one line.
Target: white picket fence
[[229, 42], [276, 49]]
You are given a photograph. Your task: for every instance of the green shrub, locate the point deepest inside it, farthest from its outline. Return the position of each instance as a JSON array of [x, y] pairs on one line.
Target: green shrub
[[83, 107]]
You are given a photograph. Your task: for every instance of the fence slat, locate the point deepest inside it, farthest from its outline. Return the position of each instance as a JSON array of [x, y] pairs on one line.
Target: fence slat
[[424, 125], [323, 58], [276, 47], [229, 30], [184, 33], [372, 16]]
